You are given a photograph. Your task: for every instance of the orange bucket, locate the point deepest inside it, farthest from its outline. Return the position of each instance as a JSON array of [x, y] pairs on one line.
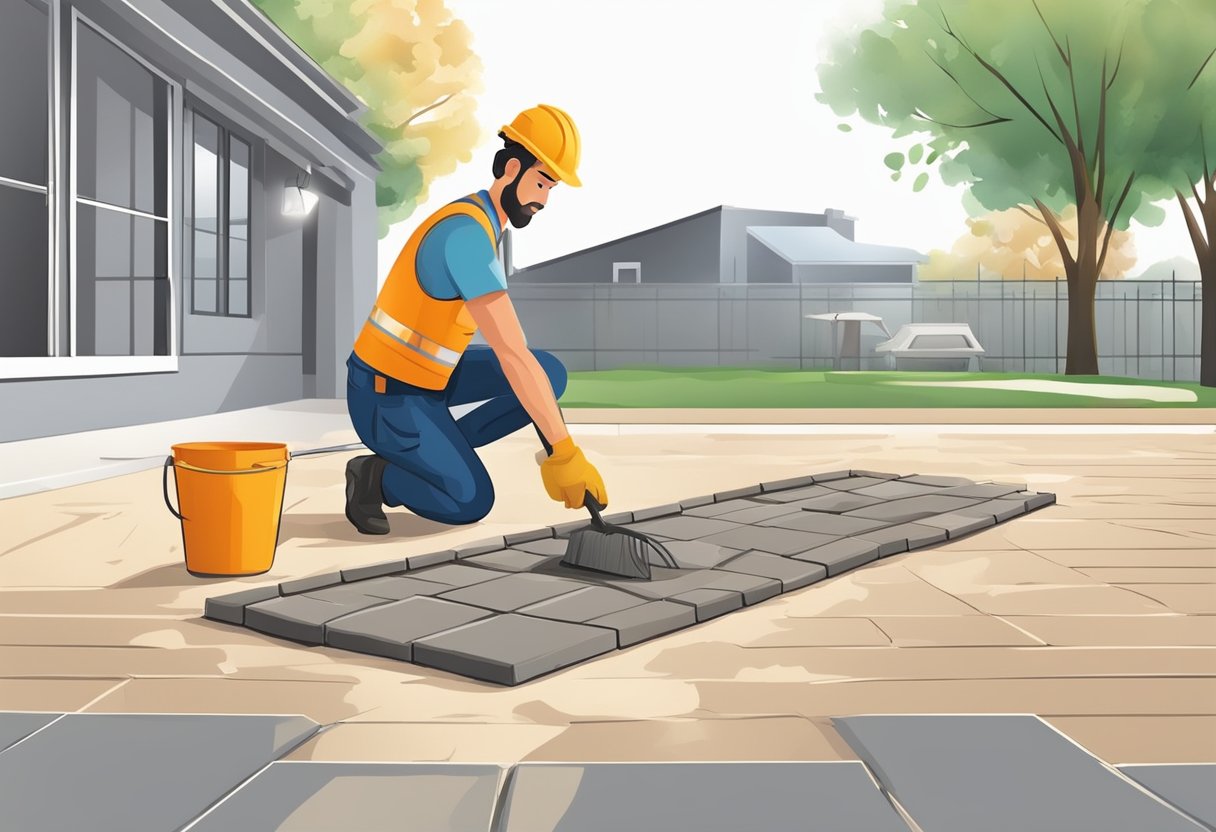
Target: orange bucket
[[230, 496]]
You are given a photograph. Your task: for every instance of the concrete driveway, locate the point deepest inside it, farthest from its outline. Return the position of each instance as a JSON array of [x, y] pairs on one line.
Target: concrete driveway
[[1098, 613]]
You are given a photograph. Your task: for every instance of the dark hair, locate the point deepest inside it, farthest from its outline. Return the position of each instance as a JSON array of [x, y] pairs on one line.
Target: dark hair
[[512, 150]]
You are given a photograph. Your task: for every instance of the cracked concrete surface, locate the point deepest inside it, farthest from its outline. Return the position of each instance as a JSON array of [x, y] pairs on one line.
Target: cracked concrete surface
[[1098, 613]]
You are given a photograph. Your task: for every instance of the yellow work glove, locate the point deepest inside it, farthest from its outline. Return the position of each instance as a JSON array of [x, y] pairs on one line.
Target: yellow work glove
[[567, 475]]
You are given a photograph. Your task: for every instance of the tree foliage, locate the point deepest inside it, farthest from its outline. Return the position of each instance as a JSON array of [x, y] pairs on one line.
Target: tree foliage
[[1043, 103], [412, 64]]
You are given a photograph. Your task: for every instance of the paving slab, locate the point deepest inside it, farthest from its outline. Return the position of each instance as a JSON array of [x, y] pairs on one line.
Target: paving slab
[[136, 772], [511, 649], [935, 480], [310, 583], [231, 608], [375, 570], [912, 508], [806, 492], [892, 540], [788, 484], [654, 618], [685, 528], [707, 797], [548, 546], [667, 510], [479, 547], [746, 491], [429, 559], [699, 554], [823, 522], [456, 574], [769, 539], [391, 630], [725, 507], [668, 583], [369, 797], [963, 773], [793, 574], [300, 618], [1192, 788], [511, 560], [985, 490], [896, 490], [583, 604], [17, 725], [957, 525], [841, 555], [392, 587], [510, 592], [838, 502], [526, 537], [710, 603], [852, 483]]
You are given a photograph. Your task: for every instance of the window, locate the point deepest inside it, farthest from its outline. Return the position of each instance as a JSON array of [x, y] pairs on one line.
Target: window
[[619, 268], [25, 221], [121, 294], [219, 221]]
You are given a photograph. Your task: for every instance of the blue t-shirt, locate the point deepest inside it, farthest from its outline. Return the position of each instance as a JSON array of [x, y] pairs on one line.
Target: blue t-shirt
[[457, 259]]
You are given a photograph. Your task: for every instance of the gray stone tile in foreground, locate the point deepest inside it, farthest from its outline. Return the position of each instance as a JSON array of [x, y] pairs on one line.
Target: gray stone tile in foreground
[[507, 610], [1000, 774], [707, 797], [16, 726], [368, 797], [135, 772], [1192, 788]]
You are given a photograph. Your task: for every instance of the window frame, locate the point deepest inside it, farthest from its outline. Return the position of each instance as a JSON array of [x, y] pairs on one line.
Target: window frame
[[226, 134]]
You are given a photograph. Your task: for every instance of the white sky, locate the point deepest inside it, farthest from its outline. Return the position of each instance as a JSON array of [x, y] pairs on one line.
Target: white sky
[[687, 104]]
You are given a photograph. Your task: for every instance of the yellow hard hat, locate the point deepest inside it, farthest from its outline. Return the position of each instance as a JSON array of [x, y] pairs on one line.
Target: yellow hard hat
[[549, 134]]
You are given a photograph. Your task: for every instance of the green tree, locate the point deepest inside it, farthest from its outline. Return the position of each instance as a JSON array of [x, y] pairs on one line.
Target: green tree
[[1182, 161], [411, 63], [1028, 103]]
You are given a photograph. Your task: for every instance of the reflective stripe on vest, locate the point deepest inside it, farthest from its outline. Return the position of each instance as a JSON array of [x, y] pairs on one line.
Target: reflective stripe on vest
[[416, 341]]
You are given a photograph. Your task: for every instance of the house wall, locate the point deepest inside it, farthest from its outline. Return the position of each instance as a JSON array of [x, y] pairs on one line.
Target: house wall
[[228, 363], [734, 243], [765, 265], [686, 251]]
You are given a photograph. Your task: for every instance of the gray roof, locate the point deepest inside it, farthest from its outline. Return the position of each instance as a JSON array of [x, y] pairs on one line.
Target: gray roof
[[800, 244]]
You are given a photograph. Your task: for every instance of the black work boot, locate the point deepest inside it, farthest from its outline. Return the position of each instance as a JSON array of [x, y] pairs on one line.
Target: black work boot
[[364, 499]]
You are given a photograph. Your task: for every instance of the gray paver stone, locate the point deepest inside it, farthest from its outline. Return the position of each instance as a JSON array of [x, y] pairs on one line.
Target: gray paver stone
[[456, 574], [911, 508], [392, 587], [841, 555], [136, 772], [700, 797], [1189, 787], [710, 603], [564, 530], [769, 539], [966, 773], [1002, 510], [667, 583], [734, 493], [698, 554], [479, 547], [291, 795], [984, 490], [1037, 501], [310, 583], [696, 502], [837, 503], [375, 570], [759, 514], [896, 490], [792, 482], [878, 475], [939, 481], [620, 518], [527, 537], [18, 726], [957, 525], [655, 511], [354, 594], [895, 539], [510, 649], [510, 592], [793, 574], [300, 618], [684, 528], [511, 560], [428, 559], [724, 507], [829, 476], [854, 483], [583, 604], [796, 494], [549, 547], [231, 608], [392, 629], [647, 621], [823, 522]]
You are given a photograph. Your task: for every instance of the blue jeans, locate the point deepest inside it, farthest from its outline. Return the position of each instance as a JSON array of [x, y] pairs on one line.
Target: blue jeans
[[432, 468]]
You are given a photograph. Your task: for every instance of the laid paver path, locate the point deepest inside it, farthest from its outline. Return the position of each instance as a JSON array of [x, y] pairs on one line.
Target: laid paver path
[[506, 610]]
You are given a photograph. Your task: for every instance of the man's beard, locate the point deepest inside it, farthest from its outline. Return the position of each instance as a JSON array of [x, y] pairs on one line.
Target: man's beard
[[519, 215]]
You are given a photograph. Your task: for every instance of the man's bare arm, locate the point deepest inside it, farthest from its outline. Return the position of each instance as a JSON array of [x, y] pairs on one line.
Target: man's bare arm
[[495, 316]]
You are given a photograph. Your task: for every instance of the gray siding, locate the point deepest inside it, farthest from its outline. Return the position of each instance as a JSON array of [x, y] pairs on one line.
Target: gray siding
[[765, 265], [735, 246]]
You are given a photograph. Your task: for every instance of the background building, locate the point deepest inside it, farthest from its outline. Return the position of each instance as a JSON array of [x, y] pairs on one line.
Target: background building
[[159, 261]]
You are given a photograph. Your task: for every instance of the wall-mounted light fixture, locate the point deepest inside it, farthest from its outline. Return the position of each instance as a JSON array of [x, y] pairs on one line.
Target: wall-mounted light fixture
[[298, 201]]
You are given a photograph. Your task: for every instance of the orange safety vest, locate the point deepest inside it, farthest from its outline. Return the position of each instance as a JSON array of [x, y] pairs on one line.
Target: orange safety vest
[[410, 335]]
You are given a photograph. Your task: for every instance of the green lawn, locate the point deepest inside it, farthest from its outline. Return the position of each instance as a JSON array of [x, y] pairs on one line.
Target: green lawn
[[736, 387]]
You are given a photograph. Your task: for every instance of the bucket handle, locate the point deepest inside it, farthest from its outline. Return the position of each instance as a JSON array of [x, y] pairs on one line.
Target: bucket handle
[[258, 468]]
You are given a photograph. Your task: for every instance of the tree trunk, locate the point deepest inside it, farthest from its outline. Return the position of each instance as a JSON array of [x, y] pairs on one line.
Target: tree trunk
[[1082, 355]]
